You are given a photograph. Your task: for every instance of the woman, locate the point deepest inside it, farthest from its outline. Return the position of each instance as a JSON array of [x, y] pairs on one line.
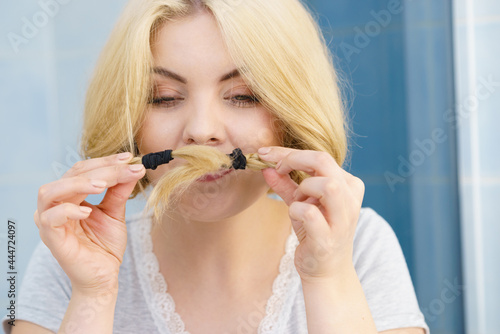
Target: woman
[[227, 258]]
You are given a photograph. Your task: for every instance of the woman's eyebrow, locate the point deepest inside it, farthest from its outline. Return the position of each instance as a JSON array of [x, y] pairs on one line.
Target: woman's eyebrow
[[169, 74]]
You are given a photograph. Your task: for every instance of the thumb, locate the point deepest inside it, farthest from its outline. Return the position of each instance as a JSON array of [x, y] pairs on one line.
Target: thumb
[[113, 203], [283, 185]]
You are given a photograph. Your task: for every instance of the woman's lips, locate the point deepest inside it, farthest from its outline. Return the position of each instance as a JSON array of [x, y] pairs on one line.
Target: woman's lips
[[213, 177]]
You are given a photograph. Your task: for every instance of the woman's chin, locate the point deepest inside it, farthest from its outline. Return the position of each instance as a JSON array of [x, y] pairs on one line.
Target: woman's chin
[[203, 209], [221, 198]]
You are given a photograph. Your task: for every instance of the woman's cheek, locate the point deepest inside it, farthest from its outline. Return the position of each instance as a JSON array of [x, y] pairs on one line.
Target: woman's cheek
[[259, 131]]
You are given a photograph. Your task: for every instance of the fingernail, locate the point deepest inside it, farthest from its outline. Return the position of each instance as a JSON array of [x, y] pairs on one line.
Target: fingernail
[[98, 183], [136, 168], [124, 156], [264, 150], [85, 209]]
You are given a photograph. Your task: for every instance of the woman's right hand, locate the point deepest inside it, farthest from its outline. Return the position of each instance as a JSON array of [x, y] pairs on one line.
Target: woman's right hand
[[88, 240]]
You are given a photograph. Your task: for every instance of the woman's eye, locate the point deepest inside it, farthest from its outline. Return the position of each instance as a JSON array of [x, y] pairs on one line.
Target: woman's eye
[[244, 100], [237, 100], [163, 101]]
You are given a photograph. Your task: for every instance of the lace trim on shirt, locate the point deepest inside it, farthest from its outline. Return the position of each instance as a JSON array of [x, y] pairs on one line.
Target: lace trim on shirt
[[162, 305], [278, 307]]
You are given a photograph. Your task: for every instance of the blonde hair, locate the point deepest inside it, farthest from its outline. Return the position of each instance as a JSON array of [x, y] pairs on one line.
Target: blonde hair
[[199, 160], [278, 47]]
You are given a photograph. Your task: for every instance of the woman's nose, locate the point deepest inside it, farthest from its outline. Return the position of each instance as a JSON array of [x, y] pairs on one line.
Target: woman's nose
[[204, 126]]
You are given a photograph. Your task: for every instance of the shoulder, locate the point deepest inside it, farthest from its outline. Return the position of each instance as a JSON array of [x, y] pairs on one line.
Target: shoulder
[[371, 225], [382, 270], [376, 246]]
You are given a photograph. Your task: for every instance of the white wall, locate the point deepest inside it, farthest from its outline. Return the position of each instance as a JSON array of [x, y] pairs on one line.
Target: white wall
[[477, 70]]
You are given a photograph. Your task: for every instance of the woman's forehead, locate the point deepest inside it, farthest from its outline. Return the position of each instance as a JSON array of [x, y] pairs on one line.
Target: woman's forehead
[[190, 46]]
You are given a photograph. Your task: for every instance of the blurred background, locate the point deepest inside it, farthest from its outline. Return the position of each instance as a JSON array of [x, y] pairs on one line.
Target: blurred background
[[425, 91]]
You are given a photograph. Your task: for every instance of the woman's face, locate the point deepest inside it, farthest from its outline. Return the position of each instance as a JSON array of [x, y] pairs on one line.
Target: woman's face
[[200, 99]]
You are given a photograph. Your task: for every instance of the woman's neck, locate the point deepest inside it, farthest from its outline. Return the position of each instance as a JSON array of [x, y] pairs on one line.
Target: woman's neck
[[226, 254]]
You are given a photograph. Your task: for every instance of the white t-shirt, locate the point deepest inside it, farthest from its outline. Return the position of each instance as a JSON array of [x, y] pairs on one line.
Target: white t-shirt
[[145, 306]]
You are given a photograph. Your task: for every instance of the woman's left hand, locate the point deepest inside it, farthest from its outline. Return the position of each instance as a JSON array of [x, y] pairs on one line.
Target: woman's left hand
[[324, 209]]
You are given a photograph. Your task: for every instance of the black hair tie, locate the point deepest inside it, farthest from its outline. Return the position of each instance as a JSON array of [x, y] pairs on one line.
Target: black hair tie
[[239, 159], [153, 160]]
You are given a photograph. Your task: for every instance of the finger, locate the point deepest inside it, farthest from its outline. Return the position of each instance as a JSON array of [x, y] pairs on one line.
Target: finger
[[50, 221], [338, 203], [121, 181], [325, 189], [357, 187], [307, 220], [282, 185], [315, 163], [114, 202], [87, 165], [116, 174], [339, 199], [73, 189]]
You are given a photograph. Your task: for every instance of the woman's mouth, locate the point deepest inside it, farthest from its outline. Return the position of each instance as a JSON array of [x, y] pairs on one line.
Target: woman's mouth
[[213, 177]]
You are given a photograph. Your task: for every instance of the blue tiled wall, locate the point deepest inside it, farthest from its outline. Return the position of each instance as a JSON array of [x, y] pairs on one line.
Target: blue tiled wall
[[402, 78]]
